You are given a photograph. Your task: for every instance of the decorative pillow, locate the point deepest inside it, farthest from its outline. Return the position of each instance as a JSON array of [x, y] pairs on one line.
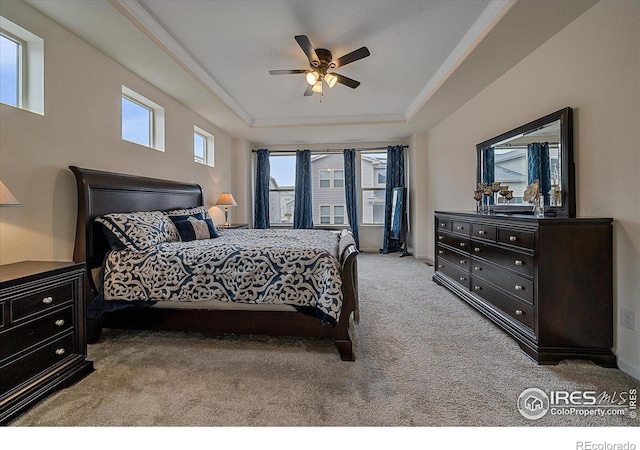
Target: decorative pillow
[[194, 229], [197, 213], [137, 231]]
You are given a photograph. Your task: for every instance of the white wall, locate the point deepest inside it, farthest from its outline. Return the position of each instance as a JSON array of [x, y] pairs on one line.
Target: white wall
[[81, 126], [593, 66]]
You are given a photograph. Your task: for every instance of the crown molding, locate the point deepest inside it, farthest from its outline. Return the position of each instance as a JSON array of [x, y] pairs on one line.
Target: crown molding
[[335, 120], [481, 27], [135, 12]]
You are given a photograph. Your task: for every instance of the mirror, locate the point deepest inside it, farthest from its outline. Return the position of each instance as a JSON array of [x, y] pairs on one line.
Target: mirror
[[397, 213], [540, 150]]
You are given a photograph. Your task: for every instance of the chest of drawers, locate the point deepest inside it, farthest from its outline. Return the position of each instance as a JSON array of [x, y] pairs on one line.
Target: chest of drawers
[[42, 332], [547, 282]]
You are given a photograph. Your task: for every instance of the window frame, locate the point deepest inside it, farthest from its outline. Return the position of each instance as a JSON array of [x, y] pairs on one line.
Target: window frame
[[156, 119], [30, 95], [21, 70], [209, 147], [375, 187]]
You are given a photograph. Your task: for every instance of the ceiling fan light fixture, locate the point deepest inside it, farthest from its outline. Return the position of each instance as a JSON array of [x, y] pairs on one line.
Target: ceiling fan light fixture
[[312, 77], [318, 87], [331, 79]]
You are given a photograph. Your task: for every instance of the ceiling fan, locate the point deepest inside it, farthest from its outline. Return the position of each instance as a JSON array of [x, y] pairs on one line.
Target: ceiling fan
[[322, 63]]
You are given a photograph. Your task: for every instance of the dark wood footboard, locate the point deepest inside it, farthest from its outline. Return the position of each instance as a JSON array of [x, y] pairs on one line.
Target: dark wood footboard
[[104, 192]]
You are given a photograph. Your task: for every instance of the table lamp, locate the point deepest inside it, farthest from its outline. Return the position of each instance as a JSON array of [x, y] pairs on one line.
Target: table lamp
[[6, 197], [226, 200]]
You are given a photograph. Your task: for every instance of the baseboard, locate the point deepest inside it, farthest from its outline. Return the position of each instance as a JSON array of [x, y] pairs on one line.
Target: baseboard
[[629, 369]]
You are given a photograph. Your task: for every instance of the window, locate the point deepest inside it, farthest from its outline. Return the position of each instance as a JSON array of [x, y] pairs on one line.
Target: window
[[21, 67], [142, 120], [338, 215], [325, 178], [331, 178], [325, 215], [373, 169], [282, 189], [203, 147], [332, 215], [11, 70]]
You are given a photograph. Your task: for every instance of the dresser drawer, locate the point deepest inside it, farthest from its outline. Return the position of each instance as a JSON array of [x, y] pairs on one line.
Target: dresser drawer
[[30, 333], [511, 283], [523, 239], [452, 271], [518, 262], [443, 224], [42, 300], [461, 261], [33, 363], [515, 309], [485, 232], [456, 242], [461, 227]]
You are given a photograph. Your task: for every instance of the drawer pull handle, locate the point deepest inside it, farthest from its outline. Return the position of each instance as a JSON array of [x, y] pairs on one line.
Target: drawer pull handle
[[519, 313], [463, 261], [47, 300], [476, 249], [60, 351], [59, 322], [463, 279], [513, 238], [440, 237], [443, 224], [477, 268], [477, 288], [482, 232], [462, 244], [440, 252], [460, 228], [518, 262], [440, 266], [519, 288]]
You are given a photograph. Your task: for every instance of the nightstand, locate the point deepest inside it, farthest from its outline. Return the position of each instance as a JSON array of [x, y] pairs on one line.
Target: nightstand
[[43, 344], [234, 226]]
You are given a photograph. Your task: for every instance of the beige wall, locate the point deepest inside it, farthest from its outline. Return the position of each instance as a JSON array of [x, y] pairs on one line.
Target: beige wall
[[593, 66], [81, 126]]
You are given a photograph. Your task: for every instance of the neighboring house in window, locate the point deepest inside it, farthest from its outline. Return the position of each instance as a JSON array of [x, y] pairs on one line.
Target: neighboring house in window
[[373, 182], [329, 204], [280, 203]]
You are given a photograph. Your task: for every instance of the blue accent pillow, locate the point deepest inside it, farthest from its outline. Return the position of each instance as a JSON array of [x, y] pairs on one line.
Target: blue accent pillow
[[199, 213]]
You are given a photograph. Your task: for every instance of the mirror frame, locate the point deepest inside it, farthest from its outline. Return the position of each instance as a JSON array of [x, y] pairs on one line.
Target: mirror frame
[[567, 179]]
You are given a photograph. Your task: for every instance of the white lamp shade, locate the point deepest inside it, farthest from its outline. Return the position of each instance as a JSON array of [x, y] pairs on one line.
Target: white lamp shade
[[6, 197], [331, 79], [312, 77], [317, 87], [226, 199]]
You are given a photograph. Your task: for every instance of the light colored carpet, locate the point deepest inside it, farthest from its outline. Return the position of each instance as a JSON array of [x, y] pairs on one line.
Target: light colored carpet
[[424, 358]]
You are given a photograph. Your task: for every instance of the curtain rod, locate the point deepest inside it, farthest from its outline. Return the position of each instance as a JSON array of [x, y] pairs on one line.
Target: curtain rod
[[330, 150]]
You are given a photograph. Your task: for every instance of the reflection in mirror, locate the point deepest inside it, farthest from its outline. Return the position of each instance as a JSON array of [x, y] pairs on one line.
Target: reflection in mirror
[[540, 150]]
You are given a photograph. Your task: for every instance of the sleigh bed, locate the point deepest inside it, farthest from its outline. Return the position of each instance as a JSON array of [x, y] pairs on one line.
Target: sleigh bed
[[265, 282]]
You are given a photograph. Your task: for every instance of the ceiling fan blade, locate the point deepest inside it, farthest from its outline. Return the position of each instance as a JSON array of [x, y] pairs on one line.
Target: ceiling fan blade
[[287, 72], [307, 48], [355, 55], [309, 91], [347, 81]]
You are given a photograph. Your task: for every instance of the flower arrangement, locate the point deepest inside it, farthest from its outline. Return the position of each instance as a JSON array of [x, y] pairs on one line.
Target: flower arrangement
[[532, 192]]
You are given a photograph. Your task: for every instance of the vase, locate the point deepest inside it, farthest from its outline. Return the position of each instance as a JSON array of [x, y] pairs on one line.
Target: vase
[[538, 206]]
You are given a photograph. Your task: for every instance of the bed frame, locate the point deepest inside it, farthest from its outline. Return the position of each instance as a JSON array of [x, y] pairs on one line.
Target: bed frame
[[105, 192]]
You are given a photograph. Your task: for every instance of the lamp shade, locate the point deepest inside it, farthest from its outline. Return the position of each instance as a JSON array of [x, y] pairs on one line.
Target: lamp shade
[[331, 79], [6, 197], [226, 199]]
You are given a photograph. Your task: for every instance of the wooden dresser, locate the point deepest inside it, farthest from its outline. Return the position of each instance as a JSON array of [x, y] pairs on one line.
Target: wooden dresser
[[42, 332], [548, 282]]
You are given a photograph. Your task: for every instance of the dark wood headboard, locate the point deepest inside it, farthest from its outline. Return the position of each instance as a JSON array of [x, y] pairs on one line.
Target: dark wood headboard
[[106, 192]]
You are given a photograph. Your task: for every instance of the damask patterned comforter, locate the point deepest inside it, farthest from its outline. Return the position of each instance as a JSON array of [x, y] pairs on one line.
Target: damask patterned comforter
[[294, 267]]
